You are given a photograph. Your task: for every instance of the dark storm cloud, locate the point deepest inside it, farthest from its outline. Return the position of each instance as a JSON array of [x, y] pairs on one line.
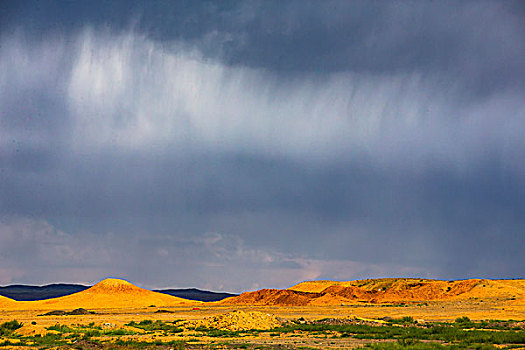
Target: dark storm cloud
[[475, 41], [271, 141]]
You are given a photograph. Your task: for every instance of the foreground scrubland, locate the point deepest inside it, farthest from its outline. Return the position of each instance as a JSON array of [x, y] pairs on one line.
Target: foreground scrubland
[[247, 328], [375, 314]]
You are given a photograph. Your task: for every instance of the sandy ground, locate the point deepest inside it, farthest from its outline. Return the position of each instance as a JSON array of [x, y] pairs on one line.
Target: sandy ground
[[433, 311]]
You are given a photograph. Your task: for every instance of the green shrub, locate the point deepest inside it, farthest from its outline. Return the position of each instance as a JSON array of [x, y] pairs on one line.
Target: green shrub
[[9, 327], [61, 328], [149, 325]]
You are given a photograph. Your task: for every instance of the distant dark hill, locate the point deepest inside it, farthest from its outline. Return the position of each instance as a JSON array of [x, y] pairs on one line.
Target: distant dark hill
[[28, 293], [196, 294]]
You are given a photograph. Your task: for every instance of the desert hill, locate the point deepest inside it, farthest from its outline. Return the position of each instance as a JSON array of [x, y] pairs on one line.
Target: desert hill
[[281, 297], [385, 290], [21, 292], [6, 302], [109, 293], [115, 293]]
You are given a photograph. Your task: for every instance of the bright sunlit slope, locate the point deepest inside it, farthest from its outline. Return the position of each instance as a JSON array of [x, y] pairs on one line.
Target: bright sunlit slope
[[413, 289], [109, 293], [6, 302], [385, 290]]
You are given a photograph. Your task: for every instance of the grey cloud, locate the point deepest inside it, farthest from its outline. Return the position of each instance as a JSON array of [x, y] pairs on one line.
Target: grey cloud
[[447, 37], [112, 98], [275, 142], [213, 259], [354, 213], [382, 38]]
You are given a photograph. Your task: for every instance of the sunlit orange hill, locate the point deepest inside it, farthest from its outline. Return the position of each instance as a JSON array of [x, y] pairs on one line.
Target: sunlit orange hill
[[116, 293], [109, 293], [384, 290]]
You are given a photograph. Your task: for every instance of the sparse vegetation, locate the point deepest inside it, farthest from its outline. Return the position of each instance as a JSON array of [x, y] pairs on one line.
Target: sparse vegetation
[[406, 320], [88, 332], [149, 325], [395, 334], [175, 345], [9, 327], [426, 346], [407, 333]]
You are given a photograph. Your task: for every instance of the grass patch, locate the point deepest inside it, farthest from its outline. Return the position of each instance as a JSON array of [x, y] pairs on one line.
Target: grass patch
[[151, 326], [427, 346], [175, 345], [49, 339], [404, 333], [451, 333], [87, 332]]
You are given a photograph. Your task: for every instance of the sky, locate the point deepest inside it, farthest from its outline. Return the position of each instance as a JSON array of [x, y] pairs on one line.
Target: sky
[[238, 145]]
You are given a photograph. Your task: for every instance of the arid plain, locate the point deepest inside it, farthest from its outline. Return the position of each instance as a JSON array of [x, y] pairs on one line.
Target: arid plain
[[117, 312]]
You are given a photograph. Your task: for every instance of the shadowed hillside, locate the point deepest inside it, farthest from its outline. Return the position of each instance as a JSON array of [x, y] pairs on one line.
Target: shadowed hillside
[[196, 294], [28, 293]]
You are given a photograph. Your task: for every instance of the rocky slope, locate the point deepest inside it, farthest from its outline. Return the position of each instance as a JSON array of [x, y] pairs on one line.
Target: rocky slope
[[386, 290]]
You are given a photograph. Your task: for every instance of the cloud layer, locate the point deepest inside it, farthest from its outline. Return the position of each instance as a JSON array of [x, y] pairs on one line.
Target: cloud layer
[[274, 142]]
